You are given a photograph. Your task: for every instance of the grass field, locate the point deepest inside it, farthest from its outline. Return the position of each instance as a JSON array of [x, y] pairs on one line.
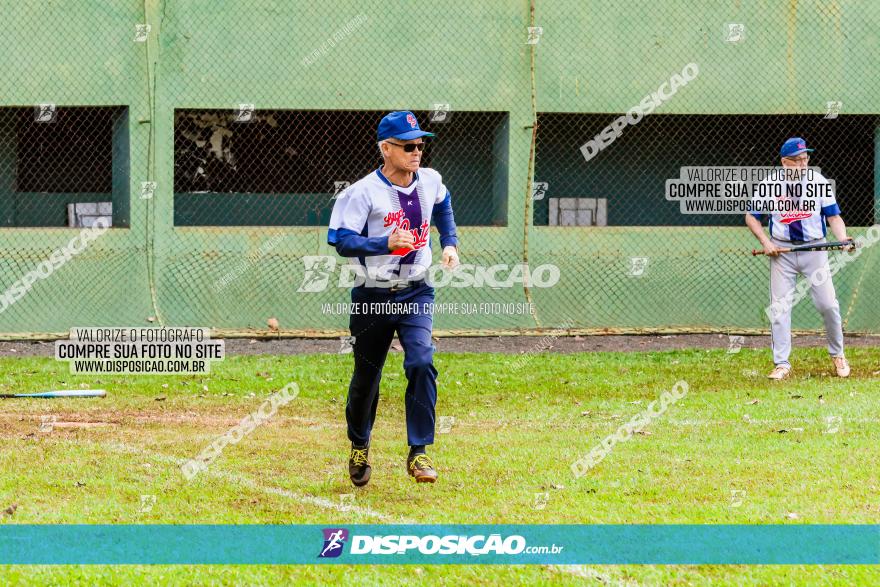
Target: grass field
[[736, 449]]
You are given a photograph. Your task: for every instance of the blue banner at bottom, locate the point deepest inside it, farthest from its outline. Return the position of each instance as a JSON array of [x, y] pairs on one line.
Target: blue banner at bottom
[[439, 544]]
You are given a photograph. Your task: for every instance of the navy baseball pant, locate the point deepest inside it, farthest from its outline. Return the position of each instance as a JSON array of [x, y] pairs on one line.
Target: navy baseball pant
[[373, 333]]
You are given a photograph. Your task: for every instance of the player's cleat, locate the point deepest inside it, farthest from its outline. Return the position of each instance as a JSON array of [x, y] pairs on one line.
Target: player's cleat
[[779, 372], [841, 365], [421, 467], [359, 466]]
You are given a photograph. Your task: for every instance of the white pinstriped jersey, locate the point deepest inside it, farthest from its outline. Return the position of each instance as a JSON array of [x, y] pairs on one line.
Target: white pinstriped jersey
[[802, 225], [374, 207]]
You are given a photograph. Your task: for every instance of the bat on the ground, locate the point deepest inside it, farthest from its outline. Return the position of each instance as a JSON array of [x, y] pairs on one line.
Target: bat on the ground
[[832, 246], [59, 393]]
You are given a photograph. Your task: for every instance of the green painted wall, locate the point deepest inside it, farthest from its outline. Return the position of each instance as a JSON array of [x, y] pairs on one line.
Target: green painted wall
[[797, 55]]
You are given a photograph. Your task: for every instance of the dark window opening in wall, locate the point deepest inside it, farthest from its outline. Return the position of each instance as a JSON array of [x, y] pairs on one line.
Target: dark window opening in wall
[[624, 183], [282, 167], [64, 166]]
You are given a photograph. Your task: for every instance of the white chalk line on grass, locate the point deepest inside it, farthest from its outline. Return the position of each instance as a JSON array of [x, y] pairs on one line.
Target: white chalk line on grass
[[816, 421], [586, 572], [581, 422], [242, 480]]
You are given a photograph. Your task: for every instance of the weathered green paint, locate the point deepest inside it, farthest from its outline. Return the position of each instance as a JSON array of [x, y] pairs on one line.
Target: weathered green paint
[[797, 55]]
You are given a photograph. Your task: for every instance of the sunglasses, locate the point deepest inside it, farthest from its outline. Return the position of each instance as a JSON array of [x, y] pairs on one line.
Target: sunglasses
[[410, 147]]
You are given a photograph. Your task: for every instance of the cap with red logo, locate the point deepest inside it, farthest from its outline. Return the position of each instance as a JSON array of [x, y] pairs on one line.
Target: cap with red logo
[[401, 125], [794, 146]]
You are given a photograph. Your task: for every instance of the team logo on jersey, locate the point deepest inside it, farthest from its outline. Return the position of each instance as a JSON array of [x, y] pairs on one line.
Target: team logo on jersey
[[411, 120], [796, 209], [401, 222]]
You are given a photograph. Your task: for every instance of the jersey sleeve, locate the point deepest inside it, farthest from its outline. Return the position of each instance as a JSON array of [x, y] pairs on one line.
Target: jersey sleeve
[[828, 201], [436, 181], [442, 192], [347, 223], [350, 213], [444, 220], [441, 212]]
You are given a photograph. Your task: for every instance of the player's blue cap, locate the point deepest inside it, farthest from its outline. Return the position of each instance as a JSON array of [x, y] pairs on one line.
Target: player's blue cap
[[794, 146], [401, 125]]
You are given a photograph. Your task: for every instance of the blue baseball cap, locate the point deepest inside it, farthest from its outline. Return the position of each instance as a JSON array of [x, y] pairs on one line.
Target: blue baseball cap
[[401, 125], [794, 146]]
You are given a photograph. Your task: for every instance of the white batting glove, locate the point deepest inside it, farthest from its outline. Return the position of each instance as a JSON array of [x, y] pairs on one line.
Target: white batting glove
[[450, 257]]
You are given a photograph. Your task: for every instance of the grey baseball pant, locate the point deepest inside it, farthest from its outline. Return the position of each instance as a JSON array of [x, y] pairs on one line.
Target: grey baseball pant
[[784, 270]]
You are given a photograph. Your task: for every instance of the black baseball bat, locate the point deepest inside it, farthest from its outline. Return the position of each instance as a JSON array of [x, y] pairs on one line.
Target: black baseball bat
[[831, 246]]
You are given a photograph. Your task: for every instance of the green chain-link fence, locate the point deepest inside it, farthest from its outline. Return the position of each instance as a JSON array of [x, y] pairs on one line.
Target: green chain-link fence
[[214, 136]]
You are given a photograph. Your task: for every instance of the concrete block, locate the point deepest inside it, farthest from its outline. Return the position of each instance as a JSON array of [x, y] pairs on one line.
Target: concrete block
[[584, 217], [601, 212], [85, 214], [568, 203]]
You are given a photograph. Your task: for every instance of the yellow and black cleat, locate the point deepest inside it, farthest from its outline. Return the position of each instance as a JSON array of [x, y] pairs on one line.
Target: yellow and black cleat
[[359, 466], [421, 468]]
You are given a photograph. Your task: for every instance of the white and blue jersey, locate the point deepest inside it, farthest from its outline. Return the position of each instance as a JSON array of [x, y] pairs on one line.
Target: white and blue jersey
[[802, 225], [368, 211]]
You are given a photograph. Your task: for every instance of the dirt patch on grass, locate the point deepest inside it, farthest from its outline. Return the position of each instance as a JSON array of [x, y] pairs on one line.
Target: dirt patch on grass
[[82, 424], [128, 418]]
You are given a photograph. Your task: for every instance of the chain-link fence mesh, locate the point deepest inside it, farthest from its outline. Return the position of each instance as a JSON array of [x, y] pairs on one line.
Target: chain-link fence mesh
[[285, 167], [215, 137]]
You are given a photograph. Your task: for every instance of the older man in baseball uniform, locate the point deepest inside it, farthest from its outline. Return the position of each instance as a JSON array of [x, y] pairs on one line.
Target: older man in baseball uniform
[[797, 227], [382, 223]]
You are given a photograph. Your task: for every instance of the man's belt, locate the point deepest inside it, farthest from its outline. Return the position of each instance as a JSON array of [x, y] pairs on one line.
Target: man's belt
[[797, 242], [398, 285], [405, 284]]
